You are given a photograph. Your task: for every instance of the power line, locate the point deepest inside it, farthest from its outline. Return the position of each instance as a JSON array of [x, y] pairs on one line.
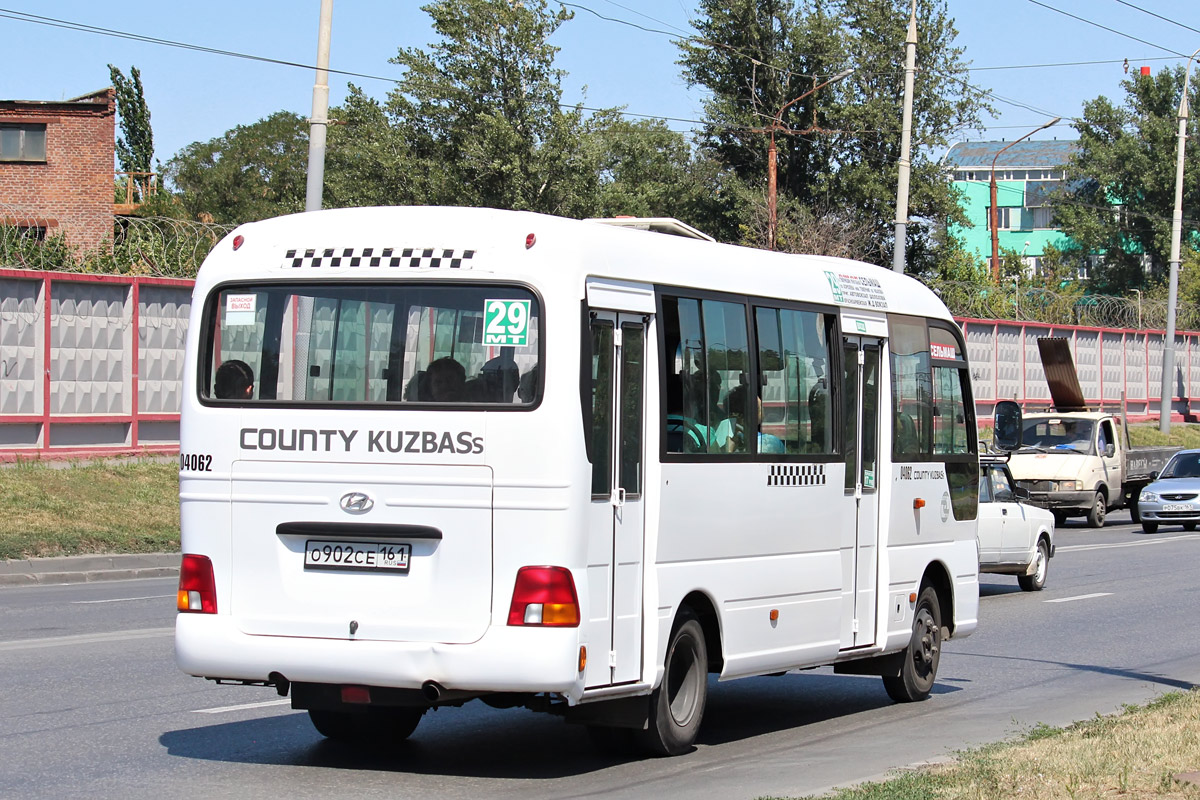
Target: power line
[[79, 27], [1159, 16], [22, 16], [1105, 28], [1070, 64]]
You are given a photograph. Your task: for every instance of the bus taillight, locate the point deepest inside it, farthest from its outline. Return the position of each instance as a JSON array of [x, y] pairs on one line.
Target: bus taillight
[[197, 587], [544, 596]]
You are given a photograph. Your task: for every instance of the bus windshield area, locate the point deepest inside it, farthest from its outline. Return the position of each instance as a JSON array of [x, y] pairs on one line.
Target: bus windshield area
[[1058, 434], [426, 344]]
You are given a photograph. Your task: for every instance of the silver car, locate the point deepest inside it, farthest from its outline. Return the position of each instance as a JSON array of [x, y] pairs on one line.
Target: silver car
[[1173, 498]]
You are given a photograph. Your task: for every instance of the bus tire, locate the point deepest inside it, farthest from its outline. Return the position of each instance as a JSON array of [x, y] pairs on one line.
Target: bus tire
[[919, 668], [677, 705], [381, 725]]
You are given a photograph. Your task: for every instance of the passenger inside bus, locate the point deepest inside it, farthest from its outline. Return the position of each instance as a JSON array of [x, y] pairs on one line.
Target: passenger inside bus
[[693, 425], [735, 405], [234, 380], [497, 381], [444, 381]]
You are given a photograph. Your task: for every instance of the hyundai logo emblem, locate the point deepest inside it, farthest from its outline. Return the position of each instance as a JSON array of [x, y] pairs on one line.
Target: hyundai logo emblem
[[356, 503]]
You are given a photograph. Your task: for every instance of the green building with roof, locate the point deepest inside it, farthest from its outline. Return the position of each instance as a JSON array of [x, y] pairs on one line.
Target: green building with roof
[[1026, 174]]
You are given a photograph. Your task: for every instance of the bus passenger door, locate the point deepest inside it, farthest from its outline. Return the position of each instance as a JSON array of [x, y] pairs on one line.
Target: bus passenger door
[[860, 527], [616, 513]]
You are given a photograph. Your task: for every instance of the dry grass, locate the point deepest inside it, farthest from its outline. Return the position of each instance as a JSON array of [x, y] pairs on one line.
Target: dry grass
[[108, 507], [1133, 755]]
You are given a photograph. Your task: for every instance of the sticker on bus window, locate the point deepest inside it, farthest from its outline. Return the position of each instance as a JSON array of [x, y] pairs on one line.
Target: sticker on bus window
[[506, 323], [869, 478], [240, 309]]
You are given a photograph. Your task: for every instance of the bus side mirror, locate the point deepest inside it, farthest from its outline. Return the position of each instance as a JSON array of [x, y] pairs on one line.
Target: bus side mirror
[[1006, 427], [1110, 450]]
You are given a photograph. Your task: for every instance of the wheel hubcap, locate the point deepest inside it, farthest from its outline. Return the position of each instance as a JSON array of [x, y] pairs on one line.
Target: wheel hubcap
[[683, 684]]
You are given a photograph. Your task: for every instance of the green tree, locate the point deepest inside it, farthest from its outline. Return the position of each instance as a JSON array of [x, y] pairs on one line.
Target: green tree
[[251, 172], [135, 147], [1126, 159], [647, 170], [481, 108], [754, 56]]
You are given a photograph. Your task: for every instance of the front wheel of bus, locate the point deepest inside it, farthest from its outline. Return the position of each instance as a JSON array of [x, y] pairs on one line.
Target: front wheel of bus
[[677, 705], [922, 654], [382, 725]]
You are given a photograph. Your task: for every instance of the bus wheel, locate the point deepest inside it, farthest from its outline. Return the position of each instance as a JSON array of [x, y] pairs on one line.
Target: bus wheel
[[677, 705], [382, 725], [921, 657]]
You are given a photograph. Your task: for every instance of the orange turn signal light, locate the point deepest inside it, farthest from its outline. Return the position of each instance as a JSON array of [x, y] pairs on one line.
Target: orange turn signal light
[[774, 614], [918, 503], [582, 657]]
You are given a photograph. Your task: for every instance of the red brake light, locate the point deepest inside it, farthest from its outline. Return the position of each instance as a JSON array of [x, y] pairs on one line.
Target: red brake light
[[544, 596], [237, 241], [197, 587]]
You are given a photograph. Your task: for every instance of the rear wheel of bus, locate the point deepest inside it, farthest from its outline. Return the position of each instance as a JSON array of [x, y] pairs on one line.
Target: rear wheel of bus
[[371, 725], [921, 657], [677, 705]]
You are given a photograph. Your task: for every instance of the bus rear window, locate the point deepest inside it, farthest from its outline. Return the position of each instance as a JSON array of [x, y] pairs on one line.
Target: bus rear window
[[368, 343]]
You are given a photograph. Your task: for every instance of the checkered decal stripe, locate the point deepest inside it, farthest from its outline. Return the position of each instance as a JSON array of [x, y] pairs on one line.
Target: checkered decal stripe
[[412, 257], [797, 475]]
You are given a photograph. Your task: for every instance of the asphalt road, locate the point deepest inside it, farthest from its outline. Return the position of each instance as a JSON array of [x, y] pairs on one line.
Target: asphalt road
[[91, 703]]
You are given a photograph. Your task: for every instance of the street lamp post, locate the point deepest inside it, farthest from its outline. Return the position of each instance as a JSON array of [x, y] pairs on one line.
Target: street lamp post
[[318, 124], [1168, 367], [777, 125], [995, 217]]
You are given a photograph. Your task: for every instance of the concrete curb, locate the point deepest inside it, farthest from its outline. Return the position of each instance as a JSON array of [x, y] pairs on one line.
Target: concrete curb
[[87, 569]]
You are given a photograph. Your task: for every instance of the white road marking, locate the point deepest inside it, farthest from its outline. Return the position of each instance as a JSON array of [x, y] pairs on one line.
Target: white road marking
[[1164, 540], [1079, 597], [242, 707], [86, 638], [119, 599]]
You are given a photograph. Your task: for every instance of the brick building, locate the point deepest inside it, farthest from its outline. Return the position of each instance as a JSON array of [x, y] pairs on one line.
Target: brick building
[[56, 167]]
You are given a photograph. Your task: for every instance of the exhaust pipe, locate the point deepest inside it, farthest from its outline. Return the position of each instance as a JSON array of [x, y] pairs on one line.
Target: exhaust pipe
[[436, 694]]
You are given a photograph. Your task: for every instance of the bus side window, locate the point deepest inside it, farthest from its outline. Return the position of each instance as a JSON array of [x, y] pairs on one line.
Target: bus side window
[[707, 346], [911, 389], [793, 352]]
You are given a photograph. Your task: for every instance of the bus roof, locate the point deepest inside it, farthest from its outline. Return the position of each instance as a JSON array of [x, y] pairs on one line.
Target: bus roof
[[426, 241]]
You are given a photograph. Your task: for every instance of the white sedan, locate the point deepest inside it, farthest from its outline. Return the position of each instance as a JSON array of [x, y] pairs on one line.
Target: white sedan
[[1014, 538]]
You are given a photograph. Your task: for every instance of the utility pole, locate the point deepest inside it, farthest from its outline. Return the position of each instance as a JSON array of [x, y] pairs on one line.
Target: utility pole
[[910, 68], [319, 123], [1168, 367], [772, 153], [993, 213]]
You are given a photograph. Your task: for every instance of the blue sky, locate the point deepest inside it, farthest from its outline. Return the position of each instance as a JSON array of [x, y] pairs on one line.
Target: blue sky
[[196, 96]]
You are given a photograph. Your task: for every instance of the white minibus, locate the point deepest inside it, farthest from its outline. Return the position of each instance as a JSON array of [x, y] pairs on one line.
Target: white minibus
[[432, 455]]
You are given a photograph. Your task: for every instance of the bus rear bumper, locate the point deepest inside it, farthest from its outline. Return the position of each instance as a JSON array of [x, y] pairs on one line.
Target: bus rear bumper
[[505, 659]]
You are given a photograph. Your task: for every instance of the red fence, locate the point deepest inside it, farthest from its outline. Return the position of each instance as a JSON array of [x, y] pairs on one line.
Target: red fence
[[90, 364]]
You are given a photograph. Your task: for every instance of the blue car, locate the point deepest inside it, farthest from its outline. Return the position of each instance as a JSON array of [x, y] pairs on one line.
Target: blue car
[[1173, 498]]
